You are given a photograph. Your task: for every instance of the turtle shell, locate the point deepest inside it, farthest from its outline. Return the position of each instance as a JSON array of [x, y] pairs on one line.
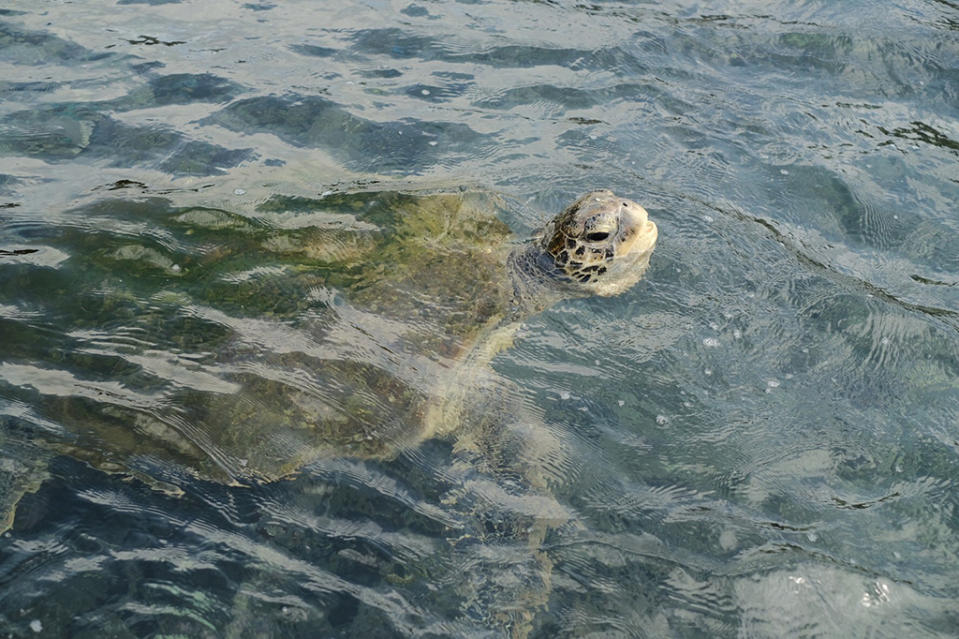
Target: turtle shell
[[315, 327]]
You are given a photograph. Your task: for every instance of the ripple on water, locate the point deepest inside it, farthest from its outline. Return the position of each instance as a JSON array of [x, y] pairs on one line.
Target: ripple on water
[[757, 440]]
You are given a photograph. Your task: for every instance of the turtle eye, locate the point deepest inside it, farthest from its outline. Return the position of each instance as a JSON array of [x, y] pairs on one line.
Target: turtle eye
[[597, 237]]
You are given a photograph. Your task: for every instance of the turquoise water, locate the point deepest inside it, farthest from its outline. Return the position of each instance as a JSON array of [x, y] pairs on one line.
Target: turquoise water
[[760, 439]]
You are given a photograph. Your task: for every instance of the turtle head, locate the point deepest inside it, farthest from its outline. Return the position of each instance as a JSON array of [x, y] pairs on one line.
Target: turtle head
[[601, 243]]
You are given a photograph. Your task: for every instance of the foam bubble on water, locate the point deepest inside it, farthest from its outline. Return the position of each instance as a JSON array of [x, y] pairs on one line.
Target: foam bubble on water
[[773, 383], [564, 395], [36, 625], [737, 334], [239, 192], [711, 342], [662, 420], [811, 536]]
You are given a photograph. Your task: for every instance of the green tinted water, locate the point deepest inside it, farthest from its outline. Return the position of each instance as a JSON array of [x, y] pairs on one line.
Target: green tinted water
[[758, 440]]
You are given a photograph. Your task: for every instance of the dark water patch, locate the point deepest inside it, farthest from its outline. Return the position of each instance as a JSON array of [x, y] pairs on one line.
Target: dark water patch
[[203, 158], [841, 61], [146, 67], [168, 148], [180, 88], [415, 11], [396, 44], [399, 45], [232, 584], [573, 98], [56, 131], [381, 73], [314, 50], [569, 98], [319, 122], [855, 218], [21, 46], [62, 132], [527, 57], [67, 130]]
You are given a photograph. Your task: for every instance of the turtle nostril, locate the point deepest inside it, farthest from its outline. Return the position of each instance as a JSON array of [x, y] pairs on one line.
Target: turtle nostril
[[597, 237]]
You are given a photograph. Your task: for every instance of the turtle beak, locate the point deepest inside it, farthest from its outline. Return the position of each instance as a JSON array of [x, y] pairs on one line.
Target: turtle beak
[[638, 232]]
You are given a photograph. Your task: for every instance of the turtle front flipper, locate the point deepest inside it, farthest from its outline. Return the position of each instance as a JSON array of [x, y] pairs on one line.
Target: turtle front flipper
[[507, 465]]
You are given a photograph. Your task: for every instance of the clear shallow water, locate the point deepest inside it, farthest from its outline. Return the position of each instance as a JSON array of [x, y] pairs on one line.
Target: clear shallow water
[[758, 440]]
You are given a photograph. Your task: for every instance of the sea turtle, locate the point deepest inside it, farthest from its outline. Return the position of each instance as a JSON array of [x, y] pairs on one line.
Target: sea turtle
[[357, 324]]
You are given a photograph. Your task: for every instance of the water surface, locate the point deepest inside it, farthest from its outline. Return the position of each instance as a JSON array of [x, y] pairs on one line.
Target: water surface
[[760, 439]]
